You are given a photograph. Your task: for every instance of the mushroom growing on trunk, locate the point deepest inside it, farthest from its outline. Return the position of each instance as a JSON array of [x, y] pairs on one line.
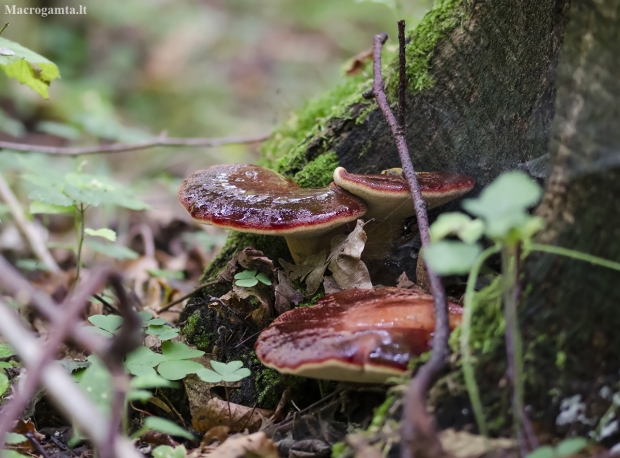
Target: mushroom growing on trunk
[[389, 201], [357, 335], [249, 198]]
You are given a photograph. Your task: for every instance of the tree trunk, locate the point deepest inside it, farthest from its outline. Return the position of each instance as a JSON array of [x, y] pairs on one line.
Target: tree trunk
[[481, 100]]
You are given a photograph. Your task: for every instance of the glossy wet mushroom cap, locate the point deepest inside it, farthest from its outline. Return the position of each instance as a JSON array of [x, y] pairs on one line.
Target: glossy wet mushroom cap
[[388, 195], [358, 335], [249, 198]]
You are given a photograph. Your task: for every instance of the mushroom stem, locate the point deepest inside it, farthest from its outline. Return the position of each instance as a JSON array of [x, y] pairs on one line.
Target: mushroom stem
[[303, 247]]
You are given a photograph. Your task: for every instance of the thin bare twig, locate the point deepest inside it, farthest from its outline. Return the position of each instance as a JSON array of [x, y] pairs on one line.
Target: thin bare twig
[[62, 389], [187, 296], [26, 228], [70, 313], [161, 140], [417, 430], [25, 293]]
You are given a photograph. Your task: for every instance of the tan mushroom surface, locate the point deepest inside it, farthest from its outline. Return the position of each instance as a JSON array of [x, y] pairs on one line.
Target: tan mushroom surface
[[358, 335]]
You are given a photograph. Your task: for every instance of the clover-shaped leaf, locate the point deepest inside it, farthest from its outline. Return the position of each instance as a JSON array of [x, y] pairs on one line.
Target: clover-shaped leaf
[[449, 257], [224, 372], [106, 325], [249, 278]]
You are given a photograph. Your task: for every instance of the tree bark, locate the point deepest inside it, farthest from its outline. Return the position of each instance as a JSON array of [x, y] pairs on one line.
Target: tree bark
[[483, 102]]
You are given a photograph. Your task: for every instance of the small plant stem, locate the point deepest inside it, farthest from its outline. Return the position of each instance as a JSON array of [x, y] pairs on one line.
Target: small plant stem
[[402, 76], [79, 229], [4, 28], [468, 311], [228, 402], [572, 254], [514, 349]]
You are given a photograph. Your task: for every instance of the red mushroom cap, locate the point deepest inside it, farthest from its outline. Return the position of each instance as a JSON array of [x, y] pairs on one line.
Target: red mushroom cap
[[389, 195], [357, 335], [249, 198]]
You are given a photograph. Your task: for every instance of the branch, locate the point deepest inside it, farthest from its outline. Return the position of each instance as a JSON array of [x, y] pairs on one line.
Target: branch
[[162, 140], [417, 429], [26, 228]]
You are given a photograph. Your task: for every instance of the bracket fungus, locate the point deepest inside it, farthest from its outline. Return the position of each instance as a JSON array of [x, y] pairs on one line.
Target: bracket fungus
[[357, 335], [389, 201], [249, 198]]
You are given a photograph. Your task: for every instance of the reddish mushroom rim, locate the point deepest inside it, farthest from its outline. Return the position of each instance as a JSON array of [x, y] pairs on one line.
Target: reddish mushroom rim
[[359, 330], [430, 182], [250, 198]]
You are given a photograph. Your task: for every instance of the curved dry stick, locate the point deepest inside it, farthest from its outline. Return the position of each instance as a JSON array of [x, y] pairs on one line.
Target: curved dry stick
[[71, 313], [417, 429], [162, 140]]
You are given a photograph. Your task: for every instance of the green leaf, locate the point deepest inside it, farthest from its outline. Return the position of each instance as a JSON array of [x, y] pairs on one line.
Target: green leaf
[[27, 67], [94, 197], [448, 257], [165, 451], [50, 196], [14, 438], [162, 273], [59, 130], [154, 330], [156, 322], [151, 380], [6, 351], [108, 323], [447, 224], [13, 454], [166, 426], [542, 452], [142, 357], [247, 283], [261, 277], [10, 125], [5, 365], [570, 446], [96, 330], [230, 372], [107, 234], [48, 209], [174, 351], [139, 395], [168, 334], [246, 274], [4, 382], [511, 192], [177, 370], [97, 383], [209, 376], [145, 317], [111, 250], [31, 265]]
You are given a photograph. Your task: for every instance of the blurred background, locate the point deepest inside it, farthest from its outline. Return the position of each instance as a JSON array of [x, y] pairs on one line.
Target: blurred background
[[133, 68]]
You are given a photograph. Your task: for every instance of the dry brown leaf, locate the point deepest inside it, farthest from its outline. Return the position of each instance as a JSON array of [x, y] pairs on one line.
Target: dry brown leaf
[[358, 62], [346, 265], [249, 259], [404, 282], [157, 438], [251, 446], [330, 285], [285, 294], [217, 412], [217, 433], [462, 444]]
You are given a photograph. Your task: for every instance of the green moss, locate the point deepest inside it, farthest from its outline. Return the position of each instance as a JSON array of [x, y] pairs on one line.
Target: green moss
[[197, 334], [381, 412], [285, 151], [318, 172], [445, 15], [273, 247], [268, 383]]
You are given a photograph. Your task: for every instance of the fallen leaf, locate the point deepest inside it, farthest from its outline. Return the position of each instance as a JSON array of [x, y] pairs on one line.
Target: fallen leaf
[[217, 433], [285, 294], [253, 445], [358, 62], [218, 412], [330, 285], [346, 265], [462, 444], [404, 282], [157, 438]]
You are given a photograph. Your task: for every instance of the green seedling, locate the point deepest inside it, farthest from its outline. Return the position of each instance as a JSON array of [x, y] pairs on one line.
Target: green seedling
[[224, 372], [249, 278], [565, 448], [165, 451]]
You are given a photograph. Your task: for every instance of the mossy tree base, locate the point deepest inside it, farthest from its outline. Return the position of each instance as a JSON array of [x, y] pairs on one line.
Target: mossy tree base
[[481, 101]]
